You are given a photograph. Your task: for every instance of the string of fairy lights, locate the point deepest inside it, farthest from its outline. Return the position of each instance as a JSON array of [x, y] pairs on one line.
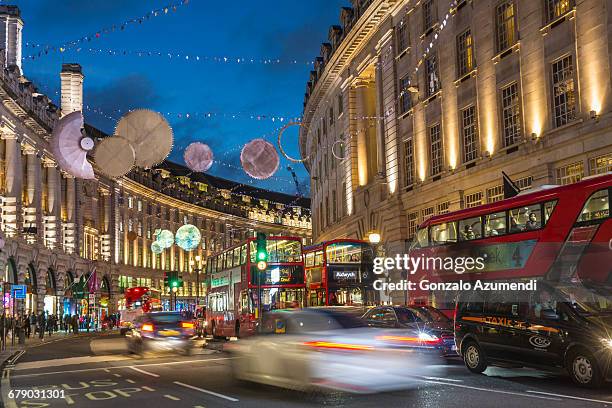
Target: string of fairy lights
[[40, 50]]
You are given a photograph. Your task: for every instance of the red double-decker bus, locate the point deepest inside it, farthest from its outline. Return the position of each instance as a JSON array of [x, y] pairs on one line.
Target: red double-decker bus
[[238, 291], [557, 233], [339, 273], [138, 300]]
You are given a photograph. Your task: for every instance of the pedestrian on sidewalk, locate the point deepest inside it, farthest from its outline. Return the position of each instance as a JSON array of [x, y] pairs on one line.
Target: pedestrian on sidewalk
[[50, 324], [87, 322], [75, 324], [41, 325], [33, 323], [27, 325], [67, 323]]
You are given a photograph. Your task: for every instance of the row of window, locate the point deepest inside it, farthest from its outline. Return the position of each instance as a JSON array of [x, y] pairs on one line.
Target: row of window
[[279, 251]]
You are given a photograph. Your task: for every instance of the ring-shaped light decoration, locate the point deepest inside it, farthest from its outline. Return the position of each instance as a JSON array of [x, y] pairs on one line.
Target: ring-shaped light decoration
[[188, 237], [280, 146], [165, 238], [156, 248], [333, 149]]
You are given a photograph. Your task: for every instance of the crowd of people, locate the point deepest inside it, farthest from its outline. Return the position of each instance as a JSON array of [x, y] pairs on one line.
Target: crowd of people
[[45, 324]]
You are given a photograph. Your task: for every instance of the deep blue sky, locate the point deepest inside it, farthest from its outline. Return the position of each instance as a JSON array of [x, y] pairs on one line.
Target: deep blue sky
[[285, 29]]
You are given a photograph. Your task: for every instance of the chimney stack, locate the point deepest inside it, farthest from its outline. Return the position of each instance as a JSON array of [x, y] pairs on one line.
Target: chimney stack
[[11, 26], [72, 88]]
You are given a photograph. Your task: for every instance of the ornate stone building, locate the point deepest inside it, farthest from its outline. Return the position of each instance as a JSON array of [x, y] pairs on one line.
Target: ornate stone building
[[415, 107], [60, 230]]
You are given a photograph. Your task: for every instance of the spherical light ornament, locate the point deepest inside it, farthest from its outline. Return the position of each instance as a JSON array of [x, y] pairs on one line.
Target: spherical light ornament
[[198, 157], [188, 237], [165, 238], [259, 159], [156, 247]]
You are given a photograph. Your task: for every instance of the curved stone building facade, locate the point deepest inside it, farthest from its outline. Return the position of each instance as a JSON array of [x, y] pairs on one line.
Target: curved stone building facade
[[61, 231], [415, 107]]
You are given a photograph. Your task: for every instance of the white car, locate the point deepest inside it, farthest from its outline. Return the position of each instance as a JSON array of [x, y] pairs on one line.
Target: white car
[[326, 349]]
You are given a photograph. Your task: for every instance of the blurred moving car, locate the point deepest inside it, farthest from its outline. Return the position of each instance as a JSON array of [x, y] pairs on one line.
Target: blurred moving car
[[426, 319], [326, 349], [161, 331]]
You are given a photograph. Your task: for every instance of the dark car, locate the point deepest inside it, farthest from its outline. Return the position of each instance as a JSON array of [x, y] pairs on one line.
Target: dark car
[[427, 319], [567, 326], [161, 331]]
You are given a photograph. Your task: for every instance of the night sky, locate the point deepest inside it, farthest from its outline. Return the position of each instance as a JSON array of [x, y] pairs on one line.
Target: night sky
[[289, 30]]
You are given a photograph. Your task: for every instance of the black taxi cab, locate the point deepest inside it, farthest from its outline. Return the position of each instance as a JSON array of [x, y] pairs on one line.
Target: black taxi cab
[[557, 326]]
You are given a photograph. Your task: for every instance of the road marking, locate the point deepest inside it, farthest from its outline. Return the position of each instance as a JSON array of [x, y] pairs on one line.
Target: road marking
[[520, 394], [107, 370], [144, 372], [442, 379], [68, 361], [130, 381], [117, 375], [206, 391], [571, 396], [145, 387], [172, 397], [5, 384], [198, 406], [124, 366]]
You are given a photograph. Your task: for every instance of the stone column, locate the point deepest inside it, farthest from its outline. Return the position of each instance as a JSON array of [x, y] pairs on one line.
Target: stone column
[[366, 133], [11, 205]]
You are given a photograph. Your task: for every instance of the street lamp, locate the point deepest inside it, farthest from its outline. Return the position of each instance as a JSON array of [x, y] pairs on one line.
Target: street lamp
[[374, 238], [197, 270]]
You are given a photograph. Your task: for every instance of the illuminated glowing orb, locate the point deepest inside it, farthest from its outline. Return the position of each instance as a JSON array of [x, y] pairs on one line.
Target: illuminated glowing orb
[[165, 238], [198, 157], [188, 237], [156, 247], [259, 159]]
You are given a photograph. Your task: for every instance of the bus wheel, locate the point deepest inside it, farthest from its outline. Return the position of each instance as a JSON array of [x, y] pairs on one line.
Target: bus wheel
[[583, 368], [215, 334], [474, 357]]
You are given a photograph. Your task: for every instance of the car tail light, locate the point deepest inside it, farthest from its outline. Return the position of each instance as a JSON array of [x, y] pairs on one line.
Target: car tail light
[[187, 325], [147, 327], [338, 346], [421, 339]]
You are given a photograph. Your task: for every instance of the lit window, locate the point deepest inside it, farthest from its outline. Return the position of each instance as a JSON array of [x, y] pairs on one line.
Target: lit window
[[435, 140], [465, 53], [601, 164], [431, 74], [572, 173], [409, 161], [473, 200], [405, 103], [427, 213], [495, 193], [557, 8], [564, 94], [511, 115], [469, 133], [505, 26]]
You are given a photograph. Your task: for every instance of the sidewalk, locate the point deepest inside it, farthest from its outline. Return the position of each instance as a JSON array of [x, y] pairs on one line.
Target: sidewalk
[[34, 341]]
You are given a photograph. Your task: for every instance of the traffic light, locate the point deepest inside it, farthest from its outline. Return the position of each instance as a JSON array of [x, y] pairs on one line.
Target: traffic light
[[262, 251], [175, 280], [166, 279]]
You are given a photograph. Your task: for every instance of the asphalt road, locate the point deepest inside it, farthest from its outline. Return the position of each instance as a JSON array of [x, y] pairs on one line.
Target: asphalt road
[[96, 372]]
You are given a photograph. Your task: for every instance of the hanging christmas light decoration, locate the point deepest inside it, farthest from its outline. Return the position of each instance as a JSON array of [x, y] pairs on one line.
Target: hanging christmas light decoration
[[198, 157], [280, 146], [259, 159], [188, 237], [156, 248], [165, 238]]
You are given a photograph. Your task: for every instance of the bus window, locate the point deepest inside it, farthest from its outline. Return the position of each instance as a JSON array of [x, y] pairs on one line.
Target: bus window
[[237, 256], [343, 253], [309, 260], [421, 239], [495, 224], [443, 233], [527, 218], [319, 258], [243, 254], [596, 207], [470, 228], [288, 251], [549, 206]]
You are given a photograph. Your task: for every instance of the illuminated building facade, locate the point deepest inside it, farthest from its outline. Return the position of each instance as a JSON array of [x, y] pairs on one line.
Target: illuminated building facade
[[414, 108], [60, 230]]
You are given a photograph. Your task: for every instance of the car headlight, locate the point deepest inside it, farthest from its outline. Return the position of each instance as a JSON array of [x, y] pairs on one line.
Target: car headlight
[[607, 343], [427, 337]]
